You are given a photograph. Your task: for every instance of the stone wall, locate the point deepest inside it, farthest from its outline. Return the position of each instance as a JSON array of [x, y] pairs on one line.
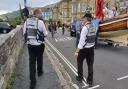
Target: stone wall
[[10, 46]]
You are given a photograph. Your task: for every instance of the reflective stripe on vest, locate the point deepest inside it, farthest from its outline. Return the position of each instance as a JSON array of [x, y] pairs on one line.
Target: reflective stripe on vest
[[32, 30], [91, 35]]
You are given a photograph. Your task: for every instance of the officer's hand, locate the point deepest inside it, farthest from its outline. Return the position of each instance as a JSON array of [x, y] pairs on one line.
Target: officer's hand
[[76, 54]]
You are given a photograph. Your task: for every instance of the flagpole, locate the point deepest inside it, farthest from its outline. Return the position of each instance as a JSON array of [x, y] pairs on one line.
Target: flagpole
[[95, 7], [25, 10], [25, 2]]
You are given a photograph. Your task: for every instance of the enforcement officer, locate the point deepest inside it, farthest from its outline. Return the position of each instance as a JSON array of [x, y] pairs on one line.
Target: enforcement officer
[[34, 33], [26, 13], [85, 49]]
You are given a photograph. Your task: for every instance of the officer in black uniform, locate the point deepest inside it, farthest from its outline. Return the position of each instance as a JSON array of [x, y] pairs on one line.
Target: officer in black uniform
[[34, 33], [85, 49], [26, 13]]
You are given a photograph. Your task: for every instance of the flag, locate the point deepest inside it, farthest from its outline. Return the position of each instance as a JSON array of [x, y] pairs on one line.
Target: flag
[[25, 3], [99, 9]]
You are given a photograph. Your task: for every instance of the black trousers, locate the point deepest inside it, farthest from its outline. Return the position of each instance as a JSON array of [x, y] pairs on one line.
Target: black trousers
[[87, 53], [63, 30], [35, 56]]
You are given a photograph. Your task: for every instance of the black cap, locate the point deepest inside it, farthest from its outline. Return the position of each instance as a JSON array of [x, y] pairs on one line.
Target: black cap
[[89, 15]]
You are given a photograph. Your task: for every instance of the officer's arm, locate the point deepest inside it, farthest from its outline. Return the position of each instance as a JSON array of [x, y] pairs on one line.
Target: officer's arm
[[24, 28], [82, 38], [42, 28]]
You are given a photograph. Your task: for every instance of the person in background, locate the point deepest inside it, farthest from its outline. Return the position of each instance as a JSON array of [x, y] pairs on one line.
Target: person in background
[[63, 29], [49, 29], [85, 49], [52, 29], [110, 13], [78, 29], [127, 13], [34, 32], [95, 22], [55, 26]]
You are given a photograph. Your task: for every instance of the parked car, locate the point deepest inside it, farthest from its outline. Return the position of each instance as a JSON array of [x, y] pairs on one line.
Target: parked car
[[5, 27], [73, 28]]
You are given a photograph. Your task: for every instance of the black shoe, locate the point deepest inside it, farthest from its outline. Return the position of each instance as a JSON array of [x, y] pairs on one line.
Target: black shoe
[[40, 74], [90, 83], [33, 85], [78, 78]]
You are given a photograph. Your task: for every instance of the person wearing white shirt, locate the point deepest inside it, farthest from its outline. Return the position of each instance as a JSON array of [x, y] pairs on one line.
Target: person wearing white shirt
[[34, 32], [85, 49], [78, 29], [110, 12]]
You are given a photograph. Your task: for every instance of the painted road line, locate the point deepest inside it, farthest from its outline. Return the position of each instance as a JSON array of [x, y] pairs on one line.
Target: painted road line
[[56, 69], [122, 78], [76, 87], [69, 38], [94, 87], [56, 39], [63, 39], [66, 61]]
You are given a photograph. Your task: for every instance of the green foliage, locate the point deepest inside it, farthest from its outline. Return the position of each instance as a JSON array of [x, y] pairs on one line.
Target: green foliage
[[11, 15], [1, 20], [16, 21], [11, 81]]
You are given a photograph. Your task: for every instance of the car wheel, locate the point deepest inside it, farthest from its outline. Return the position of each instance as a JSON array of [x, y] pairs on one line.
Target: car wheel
[[4, 31], [110, 44]]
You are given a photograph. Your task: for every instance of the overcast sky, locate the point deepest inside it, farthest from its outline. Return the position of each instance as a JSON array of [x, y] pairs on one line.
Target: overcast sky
[[12, 5]]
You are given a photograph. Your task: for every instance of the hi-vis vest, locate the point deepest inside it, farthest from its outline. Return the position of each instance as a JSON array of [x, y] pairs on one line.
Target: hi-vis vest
[[91, 35], [32, 31]]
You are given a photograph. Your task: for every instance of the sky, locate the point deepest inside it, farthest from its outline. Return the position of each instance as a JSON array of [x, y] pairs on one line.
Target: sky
[[12, 5]]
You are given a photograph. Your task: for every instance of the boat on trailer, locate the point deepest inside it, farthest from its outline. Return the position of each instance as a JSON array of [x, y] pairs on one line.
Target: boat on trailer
[[114, 24]]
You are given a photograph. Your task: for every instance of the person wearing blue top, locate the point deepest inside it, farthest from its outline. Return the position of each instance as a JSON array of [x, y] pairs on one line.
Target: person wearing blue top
[[95, 22], [78, 29]]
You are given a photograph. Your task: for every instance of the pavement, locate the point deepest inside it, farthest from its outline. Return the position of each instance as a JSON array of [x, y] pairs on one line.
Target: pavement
[[49, 80]]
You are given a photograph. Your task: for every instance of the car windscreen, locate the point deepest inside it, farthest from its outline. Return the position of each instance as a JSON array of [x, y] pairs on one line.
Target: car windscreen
[[4, 25]]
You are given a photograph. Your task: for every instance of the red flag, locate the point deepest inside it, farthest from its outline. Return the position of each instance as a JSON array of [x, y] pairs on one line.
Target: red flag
[[99, 9]]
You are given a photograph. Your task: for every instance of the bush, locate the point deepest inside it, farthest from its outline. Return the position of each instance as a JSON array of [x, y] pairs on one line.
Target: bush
[[16, 21], [1, 20]]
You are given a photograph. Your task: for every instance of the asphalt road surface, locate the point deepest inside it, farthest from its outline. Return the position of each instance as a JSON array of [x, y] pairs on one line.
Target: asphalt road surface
[[110, 67]]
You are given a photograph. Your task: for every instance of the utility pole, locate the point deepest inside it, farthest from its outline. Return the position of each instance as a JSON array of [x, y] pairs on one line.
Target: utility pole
[[22, 17], [88, 3], [95, 7]]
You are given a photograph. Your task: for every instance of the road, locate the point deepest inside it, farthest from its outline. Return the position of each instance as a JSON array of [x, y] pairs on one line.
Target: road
[[110, 67]]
